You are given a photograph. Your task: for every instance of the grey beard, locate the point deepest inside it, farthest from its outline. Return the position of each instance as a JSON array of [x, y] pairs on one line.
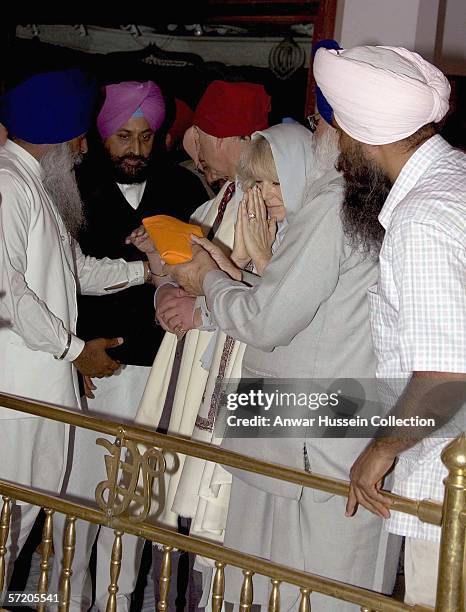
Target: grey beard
[[60, 182], [326, 154]]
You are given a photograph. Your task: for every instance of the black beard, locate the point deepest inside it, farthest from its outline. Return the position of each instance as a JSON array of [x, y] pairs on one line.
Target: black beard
[[367, 187], [128, 174]]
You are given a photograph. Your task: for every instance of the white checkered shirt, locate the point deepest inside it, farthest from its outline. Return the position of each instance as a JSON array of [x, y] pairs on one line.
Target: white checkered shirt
[[418, 307]]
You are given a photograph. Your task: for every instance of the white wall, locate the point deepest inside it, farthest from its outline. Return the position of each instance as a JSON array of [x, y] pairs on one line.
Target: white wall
[[453, 57], [426, 29], [406, 23], [377, 22]]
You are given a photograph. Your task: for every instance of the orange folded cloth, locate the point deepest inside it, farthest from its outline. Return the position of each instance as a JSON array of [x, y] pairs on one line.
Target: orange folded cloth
[[171, 237]]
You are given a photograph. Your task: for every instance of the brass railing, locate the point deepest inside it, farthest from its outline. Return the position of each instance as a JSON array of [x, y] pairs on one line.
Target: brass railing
[[125, 509]]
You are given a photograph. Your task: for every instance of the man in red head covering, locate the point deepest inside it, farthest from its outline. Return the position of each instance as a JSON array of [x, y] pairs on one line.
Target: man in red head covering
[[225, 118], [227, 114]]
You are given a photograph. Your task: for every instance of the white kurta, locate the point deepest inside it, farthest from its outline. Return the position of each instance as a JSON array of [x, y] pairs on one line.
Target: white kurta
[[41, 269]]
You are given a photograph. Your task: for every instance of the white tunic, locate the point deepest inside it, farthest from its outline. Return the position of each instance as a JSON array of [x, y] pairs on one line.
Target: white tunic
[[41, 269]]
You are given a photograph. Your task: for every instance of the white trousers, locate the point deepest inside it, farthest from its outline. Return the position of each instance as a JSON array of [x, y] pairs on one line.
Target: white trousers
[[32, 453], [421, 571], [116, 397]]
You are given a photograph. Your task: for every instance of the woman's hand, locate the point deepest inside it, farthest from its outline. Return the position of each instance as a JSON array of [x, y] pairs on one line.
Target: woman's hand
[[222, 261], [258, 231], [141, 240], [239, 256]]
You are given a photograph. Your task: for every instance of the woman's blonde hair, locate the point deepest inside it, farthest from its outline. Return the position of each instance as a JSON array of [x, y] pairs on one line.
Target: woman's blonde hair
[[256, 163]]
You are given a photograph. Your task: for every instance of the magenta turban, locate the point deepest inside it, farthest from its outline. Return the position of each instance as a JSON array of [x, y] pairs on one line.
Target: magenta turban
[[124, 99]]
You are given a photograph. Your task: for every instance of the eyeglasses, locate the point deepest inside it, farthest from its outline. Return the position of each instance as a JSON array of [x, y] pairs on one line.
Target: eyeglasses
[[313, 121]]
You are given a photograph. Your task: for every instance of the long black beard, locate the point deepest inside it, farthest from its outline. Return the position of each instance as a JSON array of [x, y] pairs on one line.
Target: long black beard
[[367, 187], [129, 175]]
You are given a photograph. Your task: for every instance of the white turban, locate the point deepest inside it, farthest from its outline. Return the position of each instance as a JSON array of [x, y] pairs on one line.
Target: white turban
[[381, 95]]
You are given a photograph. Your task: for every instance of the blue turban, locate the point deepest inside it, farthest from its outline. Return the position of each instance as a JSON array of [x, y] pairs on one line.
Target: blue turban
[[324, 108], [49, 108]]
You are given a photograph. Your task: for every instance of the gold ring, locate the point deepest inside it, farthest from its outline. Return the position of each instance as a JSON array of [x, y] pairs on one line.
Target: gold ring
[[251, 215]]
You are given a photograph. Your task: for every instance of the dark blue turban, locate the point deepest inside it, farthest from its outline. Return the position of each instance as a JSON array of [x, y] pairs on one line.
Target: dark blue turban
[[49, 108], [324, 108]]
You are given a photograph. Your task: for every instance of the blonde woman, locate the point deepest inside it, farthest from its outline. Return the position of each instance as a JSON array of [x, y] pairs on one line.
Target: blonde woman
[[274, 171]]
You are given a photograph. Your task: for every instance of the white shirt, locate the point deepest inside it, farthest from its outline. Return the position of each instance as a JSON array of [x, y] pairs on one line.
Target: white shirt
[[418, 308], [133, 193], [41, 270]]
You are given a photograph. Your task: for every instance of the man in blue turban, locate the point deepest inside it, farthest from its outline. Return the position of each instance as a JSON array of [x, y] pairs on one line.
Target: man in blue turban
[[41, 270]]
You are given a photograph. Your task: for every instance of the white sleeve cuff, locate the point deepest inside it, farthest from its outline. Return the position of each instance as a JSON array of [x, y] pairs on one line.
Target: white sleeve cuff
[[136, 273], [76, 348], [208, 323]]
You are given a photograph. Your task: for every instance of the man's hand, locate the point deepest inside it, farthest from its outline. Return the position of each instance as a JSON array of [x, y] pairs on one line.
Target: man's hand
[[191, 275], [94, 360], [222, 261], [367, 475], [89, 387], [429, 395], [141, 240], [175, 310]]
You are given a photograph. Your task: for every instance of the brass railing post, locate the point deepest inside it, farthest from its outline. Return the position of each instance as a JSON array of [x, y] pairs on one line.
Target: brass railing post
[[305, 605], [4, 531], [115, 567], [218, 589], [47, 541], [274, 601], [69, 544], [164, 582], [247, 592], [450, 587]]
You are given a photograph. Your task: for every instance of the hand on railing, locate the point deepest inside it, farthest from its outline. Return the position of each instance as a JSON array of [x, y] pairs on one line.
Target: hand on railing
[[367, 476], [94, 360]]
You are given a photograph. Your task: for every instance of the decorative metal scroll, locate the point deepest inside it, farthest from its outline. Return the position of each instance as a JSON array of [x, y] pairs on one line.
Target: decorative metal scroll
[[130, 479]]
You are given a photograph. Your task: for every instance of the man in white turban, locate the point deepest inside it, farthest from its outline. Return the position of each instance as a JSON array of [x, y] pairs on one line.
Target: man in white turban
[[386, 103]]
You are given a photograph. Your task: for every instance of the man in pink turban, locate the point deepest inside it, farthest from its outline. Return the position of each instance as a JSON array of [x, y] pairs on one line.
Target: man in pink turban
[[126, 180], [128, 99], [405, 192]]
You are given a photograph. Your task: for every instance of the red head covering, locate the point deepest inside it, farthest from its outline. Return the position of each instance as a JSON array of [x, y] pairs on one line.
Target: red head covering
[[183, 120], [232, 109]]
